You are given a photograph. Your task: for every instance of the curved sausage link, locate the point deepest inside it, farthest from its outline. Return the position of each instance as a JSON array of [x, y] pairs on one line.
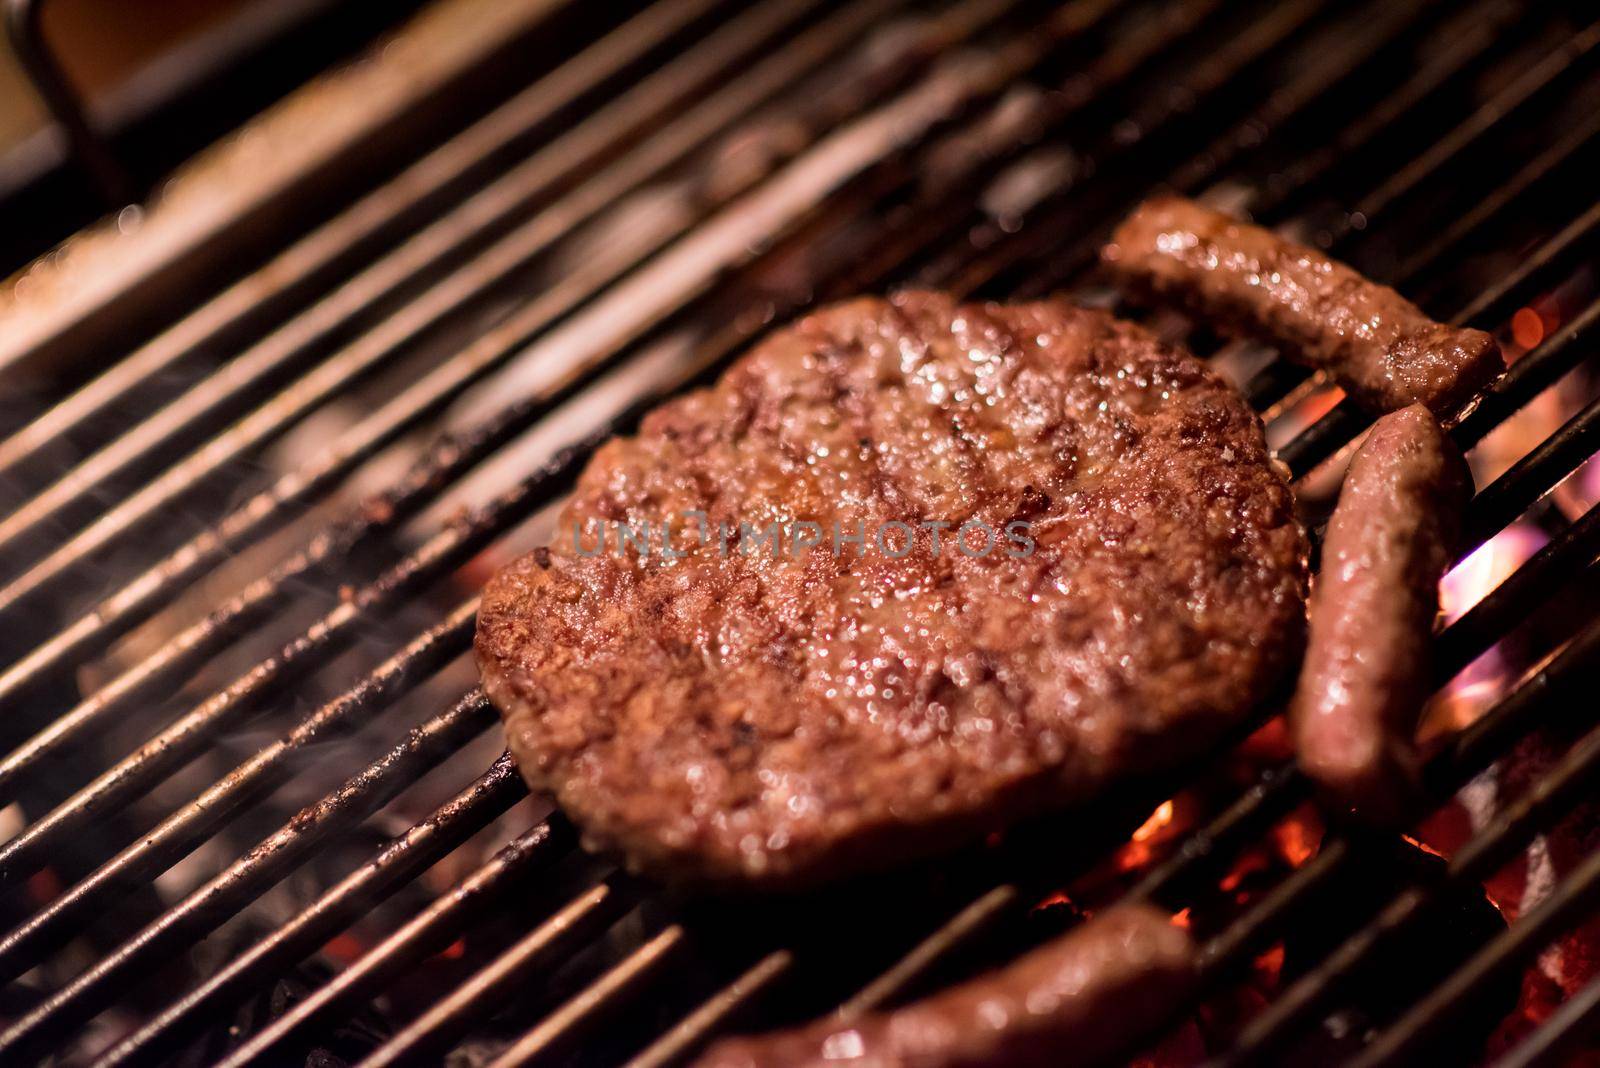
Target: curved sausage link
[[1375, 343], [1070, 1002], [1366, 672]]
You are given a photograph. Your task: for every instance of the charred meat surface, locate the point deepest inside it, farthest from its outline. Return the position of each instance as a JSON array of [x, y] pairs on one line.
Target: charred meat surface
[[1380, 347], [1074, 1001], [1366, 672], [760, 717]]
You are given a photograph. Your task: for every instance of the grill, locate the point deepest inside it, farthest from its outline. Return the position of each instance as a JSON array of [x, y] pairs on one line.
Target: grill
[[238, 575]]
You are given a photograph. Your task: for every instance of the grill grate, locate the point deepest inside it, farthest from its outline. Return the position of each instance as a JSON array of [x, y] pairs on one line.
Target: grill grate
[[877, 146]]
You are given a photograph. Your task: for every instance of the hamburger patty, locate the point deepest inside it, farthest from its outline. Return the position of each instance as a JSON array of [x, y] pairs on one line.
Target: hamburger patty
[[748, 714]]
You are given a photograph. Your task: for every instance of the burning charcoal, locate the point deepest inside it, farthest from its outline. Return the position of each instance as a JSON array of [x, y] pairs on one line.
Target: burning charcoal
[[1438, 941], [343, 1043]]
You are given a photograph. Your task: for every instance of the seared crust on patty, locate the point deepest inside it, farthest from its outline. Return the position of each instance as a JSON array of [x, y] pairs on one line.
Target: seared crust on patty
[[734, 717]]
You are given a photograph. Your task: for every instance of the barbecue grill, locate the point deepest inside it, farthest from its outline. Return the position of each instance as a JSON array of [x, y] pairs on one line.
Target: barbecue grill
[[255, 813]]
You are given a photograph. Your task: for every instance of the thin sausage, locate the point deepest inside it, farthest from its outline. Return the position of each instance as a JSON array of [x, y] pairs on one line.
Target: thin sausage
[[1380, 347], [1366, 671], [1071, 1002]]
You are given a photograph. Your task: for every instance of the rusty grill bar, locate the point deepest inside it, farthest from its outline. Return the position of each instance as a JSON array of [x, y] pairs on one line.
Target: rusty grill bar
[[1316, 116]]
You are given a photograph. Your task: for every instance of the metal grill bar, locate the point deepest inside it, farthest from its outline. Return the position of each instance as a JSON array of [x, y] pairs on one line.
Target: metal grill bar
[[543, 1042], [1280, 789], [677, 1043], [1472, 750], [1509, 831], [1538, 472], [167, 749], [318, 259], [1559, 255], [407, 856], [1576, 548], [477, 995], [613, 317], [186, 736], [1256, 44], [479, 218], [190, 825], [251, 875], [1322, 170], [447, 381], [426, 933], [1232, 950], [1547, 164], [1284, 384], [1567, 1027], [951, 215], [1072, 213], [1571, 60], [432, 1032], [1268, 800], [163, 671], [1525, 380], [267, 511]]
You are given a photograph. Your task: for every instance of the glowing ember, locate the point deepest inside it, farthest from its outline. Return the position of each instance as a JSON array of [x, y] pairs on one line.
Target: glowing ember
[[1297, 838], [344, 947], [1424, 846], [1053, 900], [1142, 844], [1158, 819], [1531, 325], [1182, 919], [1269, 965], [44, 885], [1527, 329], [1292, 422], [1250, 864]]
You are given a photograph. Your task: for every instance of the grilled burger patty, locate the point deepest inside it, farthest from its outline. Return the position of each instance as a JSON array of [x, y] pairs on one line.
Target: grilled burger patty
[[745, 713]]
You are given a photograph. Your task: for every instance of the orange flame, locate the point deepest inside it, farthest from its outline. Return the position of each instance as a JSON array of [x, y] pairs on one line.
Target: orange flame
[[1158, 819], [1297, 839], [1527, 329]]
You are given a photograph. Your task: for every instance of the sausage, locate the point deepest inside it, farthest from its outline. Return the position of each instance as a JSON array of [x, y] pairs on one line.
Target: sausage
[[1366, 671], [1380, 347], [1073, 1001]]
